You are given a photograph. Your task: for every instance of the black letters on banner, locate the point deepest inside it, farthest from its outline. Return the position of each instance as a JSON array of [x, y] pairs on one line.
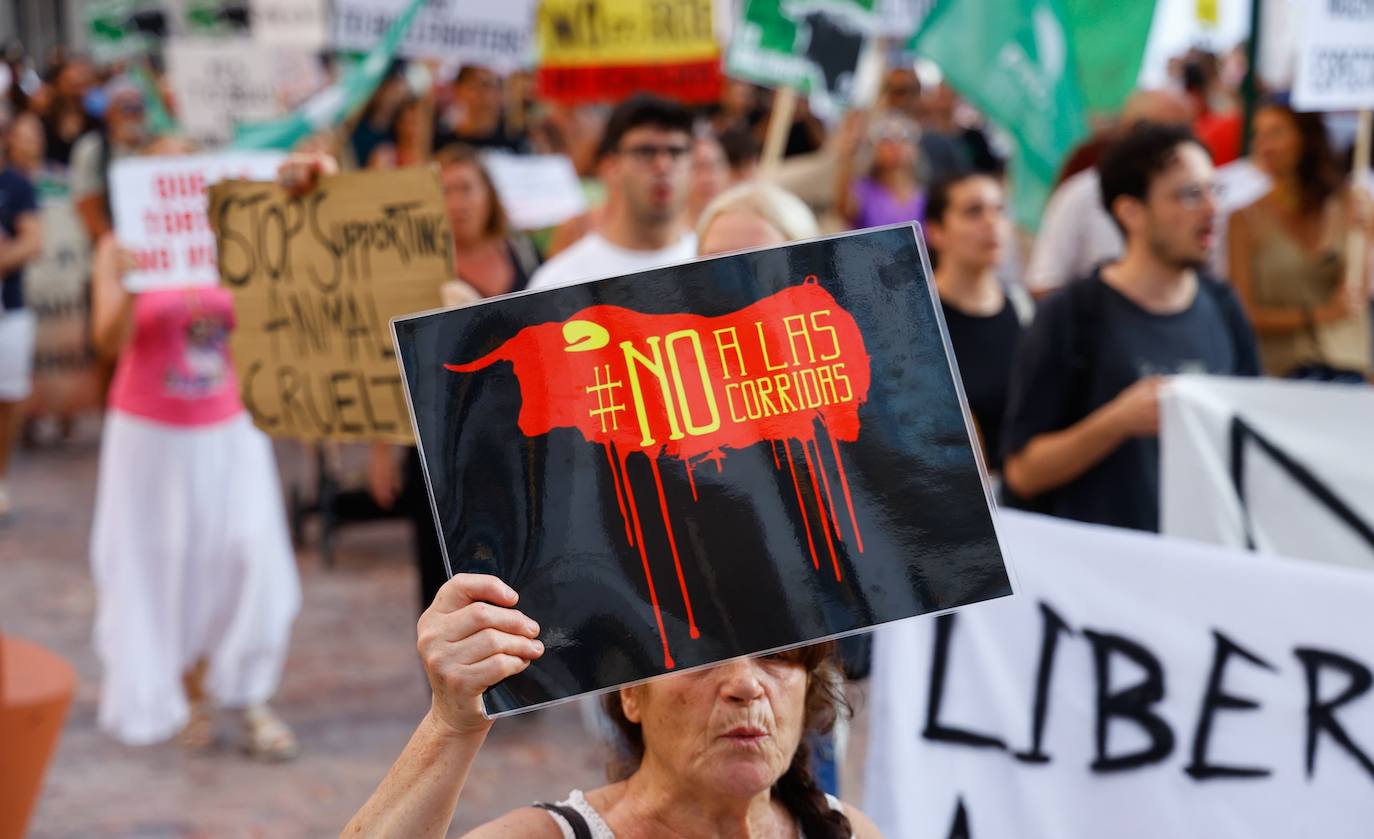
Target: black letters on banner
[[1132, 703], [960, 828], [1212, 701], [1321, 713], [1049, 643], [935, 730]]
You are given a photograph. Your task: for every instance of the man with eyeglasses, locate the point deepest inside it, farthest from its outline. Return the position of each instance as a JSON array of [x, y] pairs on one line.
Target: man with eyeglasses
[[644, 156], [124, 134], [1082, 425]]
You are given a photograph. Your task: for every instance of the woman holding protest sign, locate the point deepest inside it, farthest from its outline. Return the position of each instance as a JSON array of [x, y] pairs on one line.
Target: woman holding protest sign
[[713, 752], [194, 572]]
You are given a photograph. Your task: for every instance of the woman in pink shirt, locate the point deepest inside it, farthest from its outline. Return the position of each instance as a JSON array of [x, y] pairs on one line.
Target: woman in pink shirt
[[196, 578]]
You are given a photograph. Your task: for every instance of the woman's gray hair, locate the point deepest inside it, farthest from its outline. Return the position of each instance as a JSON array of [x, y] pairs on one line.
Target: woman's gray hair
[[775, 205]]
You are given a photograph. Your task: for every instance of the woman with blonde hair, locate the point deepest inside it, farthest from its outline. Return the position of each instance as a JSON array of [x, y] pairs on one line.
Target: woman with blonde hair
[[753, 215]]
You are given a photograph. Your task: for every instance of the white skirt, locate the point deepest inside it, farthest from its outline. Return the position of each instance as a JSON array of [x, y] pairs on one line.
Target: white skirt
[[191, 560]]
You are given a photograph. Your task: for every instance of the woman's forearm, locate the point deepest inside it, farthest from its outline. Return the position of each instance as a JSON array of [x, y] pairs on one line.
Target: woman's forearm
[[418, 796]]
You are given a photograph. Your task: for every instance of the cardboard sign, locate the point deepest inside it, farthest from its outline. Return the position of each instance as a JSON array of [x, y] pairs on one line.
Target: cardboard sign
[[159, 213], [812, 47], [605, 50], [536, 190], [677, 467], [1335, 56], [315, 280], [57, 290], [1136, 688], [299, 24], [493, 33], [218, 82]]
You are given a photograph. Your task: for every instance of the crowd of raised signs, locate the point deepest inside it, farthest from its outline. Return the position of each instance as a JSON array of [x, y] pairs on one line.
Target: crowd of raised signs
[[1178, 239]]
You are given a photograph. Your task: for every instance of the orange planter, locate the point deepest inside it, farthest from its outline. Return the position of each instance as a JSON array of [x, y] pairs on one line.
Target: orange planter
[[36, 687]]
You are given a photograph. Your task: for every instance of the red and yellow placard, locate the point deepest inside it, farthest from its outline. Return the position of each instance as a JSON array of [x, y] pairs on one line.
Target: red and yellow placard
[[605, 50]]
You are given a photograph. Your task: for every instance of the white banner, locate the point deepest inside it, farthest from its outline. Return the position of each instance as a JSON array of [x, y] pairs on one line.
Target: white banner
[[217, 82], [299, 24], [1284, 467], [493, 33], [1335, 56], [159, 213], [536, 190], [1136, 688]]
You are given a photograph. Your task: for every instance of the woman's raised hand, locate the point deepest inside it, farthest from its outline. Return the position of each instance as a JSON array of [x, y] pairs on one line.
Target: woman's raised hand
[[471, 637], [299, 173]]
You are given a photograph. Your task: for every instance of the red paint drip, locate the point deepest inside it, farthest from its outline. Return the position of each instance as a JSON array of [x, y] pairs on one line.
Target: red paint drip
[[844, 485], [829, 499], [619, 499], [801, 505], [820, 503], [644, 558], [691, 479], [672, 545]]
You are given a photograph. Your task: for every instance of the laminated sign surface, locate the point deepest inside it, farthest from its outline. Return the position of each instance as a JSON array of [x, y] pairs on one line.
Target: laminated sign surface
[[698, 462]]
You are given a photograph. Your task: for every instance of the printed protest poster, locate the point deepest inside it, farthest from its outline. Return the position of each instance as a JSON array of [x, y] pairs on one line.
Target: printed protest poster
[[606, 50], [735, 455], [1136, 687], [1335, 56], [813, 47], [119, 29], [159, 213], [57, 291], [220, 82], [536, 190], [298, 24], [315, 280], [493, 33], [214, 18]]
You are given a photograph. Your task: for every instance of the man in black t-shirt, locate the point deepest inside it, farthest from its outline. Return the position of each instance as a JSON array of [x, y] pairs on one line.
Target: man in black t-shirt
[[1082, 425]]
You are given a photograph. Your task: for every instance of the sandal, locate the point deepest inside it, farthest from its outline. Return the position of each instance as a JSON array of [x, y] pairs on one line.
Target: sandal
[[199, 734], [267, 737]]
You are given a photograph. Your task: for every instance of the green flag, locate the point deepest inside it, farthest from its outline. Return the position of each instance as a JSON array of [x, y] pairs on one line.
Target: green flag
[[1035, 68], [1108, 42], [335, 103], [810, 45], [160, 121]]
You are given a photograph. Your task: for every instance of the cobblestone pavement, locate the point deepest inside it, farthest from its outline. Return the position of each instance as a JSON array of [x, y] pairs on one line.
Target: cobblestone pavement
[[353, 691]]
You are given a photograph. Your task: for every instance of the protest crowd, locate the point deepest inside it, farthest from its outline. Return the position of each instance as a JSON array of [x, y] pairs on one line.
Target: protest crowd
[[1201, 222]]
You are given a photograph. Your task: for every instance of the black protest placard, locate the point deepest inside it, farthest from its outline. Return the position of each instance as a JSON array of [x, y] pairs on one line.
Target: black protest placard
[[693, 463], [315, 280]]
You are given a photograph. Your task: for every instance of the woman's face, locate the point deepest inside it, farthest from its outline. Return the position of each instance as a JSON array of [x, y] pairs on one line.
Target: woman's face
[[468, 202], [1277, 144], [894, 150], [408, 122], [735, 231], [26, 142], [975, 226], [731, 729], [710, 172]]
